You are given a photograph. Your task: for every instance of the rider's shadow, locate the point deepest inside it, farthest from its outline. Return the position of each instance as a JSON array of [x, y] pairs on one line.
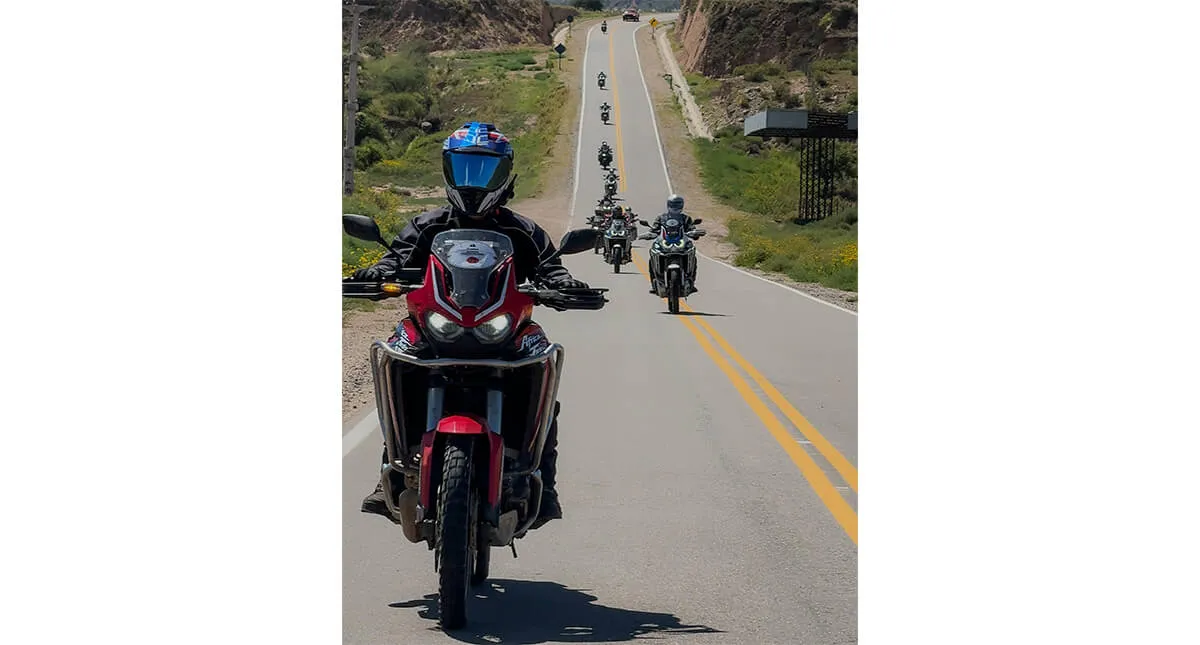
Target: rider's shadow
[[520, 612]]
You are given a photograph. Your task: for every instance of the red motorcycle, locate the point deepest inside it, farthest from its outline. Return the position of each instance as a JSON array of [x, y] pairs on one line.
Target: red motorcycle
[[466, 391]]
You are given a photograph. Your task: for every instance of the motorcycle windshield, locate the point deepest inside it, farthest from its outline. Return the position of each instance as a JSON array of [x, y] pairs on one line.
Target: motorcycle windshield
[[673, 231], [470, 256], [617, 227]]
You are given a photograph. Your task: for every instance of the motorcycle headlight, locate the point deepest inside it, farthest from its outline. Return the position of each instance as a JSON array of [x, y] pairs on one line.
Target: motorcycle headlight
[[442, 328], [494, 329]]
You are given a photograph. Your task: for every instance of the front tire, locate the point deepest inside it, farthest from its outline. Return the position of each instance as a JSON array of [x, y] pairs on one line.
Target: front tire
[[454, 527], [673, 293], [616, 259]]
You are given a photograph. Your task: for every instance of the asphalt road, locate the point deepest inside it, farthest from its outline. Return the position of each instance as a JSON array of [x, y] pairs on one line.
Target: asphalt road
[[707, 466]]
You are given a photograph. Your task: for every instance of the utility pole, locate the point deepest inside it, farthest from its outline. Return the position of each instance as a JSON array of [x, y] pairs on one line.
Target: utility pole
[[351, 97]]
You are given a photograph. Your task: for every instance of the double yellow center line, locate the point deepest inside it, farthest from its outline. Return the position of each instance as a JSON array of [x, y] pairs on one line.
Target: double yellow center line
[[812, 472], [612, 80]]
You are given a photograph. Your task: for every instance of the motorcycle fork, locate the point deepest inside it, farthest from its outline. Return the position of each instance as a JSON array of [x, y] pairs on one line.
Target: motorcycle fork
[[435, 411]]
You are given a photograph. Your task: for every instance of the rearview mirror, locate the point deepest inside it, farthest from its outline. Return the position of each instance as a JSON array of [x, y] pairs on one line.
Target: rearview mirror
[[363, 228], [578, 241], [643, 222], [697, 221]]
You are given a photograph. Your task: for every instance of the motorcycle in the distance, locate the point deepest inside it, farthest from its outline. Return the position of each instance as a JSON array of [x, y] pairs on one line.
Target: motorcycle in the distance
[[617, 238], [600, 79], [598, 224], [604, 115], [672, 260], [610, 185], [466, 390]]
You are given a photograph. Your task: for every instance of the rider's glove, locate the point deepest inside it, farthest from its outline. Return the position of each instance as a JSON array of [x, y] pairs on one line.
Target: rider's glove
[[369, 273], [567, 282]]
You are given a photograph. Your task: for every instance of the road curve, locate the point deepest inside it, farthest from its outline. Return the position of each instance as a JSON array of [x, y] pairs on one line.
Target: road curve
[[708, 461]]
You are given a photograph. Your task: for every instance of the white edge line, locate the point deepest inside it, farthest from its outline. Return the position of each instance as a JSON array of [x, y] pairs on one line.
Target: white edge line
[[587, 40], [361, 430], [667, 174], [781, 286], [650, 102]]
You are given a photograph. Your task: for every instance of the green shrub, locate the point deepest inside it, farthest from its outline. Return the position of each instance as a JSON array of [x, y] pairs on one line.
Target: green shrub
[[758, 72], [368, 153], [374, 49], [404, 74], [824, 252], [368, 126], [754, 75]]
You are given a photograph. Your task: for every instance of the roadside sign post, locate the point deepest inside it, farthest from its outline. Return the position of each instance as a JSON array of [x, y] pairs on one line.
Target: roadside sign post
[[560, 49], [654, 24], [570, 27]]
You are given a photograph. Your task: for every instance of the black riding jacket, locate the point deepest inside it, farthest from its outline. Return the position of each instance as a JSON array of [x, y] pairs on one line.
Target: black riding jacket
[[531, 244], [656, 225]]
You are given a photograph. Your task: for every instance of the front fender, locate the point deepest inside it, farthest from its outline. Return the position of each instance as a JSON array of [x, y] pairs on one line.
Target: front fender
[[431, 449], [459, 424]]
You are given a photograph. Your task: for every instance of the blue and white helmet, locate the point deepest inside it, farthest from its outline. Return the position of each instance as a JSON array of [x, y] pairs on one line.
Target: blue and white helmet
[[477, 164]]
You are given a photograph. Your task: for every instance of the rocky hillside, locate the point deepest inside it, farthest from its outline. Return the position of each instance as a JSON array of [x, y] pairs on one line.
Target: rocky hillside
[[462, 24], [720, 35]]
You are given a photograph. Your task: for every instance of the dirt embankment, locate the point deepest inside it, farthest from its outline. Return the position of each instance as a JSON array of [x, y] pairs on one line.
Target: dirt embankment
[[720, 35], [462, 24]]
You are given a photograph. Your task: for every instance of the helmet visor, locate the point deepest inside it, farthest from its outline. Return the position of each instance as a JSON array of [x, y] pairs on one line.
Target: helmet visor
[[475, 170]]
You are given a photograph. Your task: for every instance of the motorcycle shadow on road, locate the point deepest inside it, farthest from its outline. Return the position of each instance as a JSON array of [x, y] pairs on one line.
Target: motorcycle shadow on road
[[521, 612], [694, 313]]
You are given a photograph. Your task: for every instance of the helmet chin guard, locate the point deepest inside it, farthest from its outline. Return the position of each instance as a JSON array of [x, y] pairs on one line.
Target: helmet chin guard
[[476, 201]]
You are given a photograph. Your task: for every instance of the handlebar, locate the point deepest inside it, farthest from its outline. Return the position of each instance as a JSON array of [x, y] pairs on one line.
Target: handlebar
[[407, 280], [694, 234], [588, 298]]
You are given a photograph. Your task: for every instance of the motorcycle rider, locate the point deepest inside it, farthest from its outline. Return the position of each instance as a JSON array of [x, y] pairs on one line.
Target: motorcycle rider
[[605, 155], [674, 211], [600, 78], [605, 108], [477, 170]]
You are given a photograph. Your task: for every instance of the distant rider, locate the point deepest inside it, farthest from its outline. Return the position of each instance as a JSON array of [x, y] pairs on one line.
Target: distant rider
[[674, 211], [477, 168], [604, 156]]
